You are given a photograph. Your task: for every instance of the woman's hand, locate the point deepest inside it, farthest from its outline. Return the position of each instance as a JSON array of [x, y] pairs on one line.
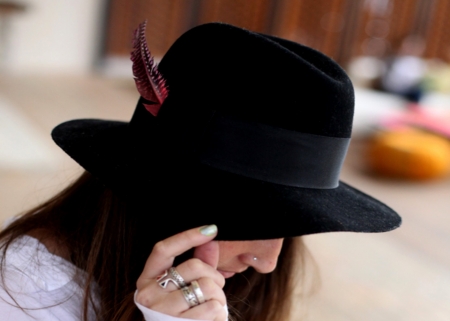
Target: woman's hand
[[202, 268]]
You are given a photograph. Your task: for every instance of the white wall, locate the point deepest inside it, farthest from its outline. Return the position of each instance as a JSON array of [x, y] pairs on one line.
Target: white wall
[[54, 36]]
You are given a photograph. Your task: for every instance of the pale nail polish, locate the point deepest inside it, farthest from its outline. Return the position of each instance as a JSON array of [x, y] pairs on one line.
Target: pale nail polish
[[208, 230]]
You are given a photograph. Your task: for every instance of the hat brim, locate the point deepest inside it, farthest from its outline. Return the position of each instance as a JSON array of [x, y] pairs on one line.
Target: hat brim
[[241, 207]]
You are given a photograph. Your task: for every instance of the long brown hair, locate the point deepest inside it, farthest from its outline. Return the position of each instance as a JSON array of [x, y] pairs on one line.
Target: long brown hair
[[89, 222]]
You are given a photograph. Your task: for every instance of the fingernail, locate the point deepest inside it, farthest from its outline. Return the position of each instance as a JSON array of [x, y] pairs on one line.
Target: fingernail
[[208, 230]]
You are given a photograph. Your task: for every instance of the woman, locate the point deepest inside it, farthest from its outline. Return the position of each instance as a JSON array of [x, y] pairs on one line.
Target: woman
[[166, 221]]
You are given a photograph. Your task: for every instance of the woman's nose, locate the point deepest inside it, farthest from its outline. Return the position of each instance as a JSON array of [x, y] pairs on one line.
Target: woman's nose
[[263, 257]]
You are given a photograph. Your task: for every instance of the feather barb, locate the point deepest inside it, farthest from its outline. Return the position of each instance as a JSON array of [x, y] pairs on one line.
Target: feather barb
[[150, 83]]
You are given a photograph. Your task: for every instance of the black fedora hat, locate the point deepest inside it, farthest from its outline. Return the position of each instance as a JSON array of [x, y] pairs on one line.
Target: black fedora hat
[[250, 135]]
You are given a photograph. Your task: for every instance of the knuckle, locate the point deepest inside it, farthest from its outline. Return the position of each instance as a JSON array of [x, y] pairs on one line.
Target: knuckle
[[159, 248], [194, 264], [187, 237], [221, 298], [208, 285], [143, 298], [222, 315], [212, 291], [214, 306], [221, 280], [192, 235]]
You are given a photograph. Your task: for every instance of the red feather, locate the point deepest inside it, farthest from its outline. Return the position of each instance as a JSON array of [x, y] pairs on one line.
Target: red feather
[[149, 81]]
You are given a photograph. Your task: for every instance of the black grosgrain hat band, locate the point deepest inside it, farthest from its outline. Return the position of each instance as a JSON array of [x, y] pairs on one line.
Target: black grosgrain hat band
[[272, 154]]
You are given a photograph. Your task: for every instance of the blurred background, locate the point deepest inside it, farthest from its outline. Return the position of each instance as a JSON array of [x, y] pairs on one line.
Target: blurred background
[[61, 60]]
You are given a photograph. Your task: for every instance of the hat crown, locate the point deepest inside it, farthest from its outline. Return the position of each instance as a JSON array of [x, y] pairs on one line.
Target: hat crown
[[255, 77], [252, 124]]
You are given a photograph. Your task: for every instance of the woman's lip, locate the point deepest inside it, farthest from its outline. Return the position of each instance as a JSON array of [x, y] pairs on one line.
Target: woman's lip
[[226, 274]]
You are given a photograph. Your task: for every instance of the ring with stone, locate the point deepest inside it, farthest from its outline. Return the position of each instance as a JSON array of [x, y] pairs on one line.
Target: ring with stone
[[173, 276]]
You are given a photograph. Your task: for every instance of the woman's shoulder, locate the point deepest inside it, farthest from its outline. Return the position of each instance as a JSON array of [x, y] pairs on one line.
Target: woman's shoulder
[[35, 282], [29, 263]]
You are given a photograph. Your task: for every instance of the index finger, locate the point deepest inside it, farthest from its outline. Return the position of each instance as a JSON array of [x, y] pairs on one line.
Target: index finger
[[165, 251]]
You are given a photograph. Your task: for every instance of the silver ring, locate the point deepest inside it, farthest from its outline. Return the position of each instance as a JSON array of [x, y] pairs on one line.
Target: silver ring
[[173, 276], [190, 296], [197, 291], [176, 276]]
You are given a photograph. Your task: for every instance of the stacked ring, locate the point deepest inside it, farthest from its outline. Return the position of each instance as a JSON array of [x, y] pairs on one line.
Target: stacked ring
[[197, 291], [193, 294], [190, 296], [173, 276]]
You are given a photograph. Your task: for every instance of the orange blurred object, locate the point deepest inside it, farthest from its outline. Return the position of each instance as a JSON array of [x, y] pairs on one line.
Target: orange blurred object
[[409, 153]]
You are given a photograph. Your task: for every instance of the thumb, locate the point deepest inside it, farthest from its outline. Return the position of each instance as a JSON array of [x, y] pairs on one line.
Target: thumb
[[208, 253]]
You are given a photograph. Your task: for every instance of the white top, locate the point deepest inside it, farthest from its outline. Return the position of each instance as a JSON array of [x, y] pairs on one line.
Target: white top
[[44, 285]]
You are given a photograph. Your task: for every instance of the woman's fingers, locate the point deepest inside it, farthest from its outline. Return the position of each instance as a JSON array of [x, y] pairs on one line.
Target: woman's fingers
[[165, 251], [174, 303], [195, 269], [202, 268], [210, 310]]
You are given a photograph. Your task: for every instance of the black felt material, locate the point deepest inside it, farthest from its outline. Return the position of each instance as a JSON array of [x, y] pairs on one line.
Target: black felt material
[[218, 69]]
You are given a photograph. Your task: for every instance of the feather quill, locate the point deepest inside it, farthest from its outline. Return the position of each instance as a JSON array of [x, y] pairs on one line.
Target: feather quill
[[150, 83]]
